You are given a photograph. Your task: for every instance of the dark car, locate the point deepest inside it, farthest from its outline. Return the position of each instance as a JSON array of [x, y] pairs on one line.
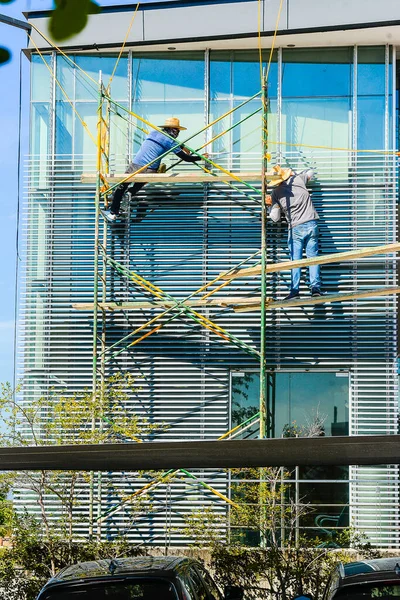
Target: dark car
[[378, 578], [139, 578]]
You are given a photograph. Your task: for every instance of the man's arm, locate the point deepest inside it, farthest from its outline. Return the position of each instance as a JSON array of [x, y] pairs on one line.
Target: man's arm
[[187, 157], [306, 175], [274, 209]]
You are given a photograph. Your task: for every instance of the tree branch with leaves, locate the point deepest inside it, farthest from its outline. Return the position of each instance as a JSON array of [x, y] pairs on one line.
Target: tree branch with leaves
[[68, 18]]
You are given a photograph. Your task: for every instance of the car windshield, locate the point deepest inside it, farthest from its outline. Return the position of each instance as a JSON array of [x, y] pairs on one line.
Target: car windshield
[[364, 591], [138, 589]]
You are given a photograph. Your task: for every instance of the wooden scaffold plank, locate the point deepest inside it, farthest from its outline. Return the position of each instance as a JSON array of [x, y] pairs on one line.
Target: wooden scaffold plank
[[254, 304], [164, 304], [322, 259], [243, 304], [175, 177], [214, 454]]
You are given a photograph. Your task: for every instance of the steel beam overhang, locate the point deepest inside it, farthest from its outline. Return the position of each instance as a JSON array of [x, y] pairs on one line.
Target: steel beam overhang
[[287, 452]]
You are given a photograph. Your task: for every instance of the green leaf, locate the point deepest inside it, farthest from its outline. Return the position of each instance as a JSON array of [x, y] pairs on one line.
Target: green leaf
[[5, 54], [94, 9], [6, 1], [70, 17]]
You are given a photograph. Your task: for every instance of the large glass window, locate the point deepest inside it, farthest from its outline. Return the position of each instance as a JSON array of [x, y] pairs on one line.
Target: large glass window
[[373, 78], [371, 75], [102, 65], [235, 77], [165, 86], [316, 97], [40, 118], [303, 404]]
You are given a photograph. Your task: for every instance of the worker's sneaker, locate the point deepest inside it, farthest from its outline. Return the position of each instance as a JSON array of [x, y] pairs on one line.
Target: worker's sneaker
[[315, 291], [292, 295], [109, 216]]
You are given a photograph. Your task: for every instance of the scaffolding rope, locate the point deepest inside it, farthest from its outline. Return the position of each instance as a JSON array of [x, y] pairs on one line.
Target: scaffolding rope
[[84, 125], [184, 142], [273, 42], [53, 45], [283, 143], [74, 64], [123, 46]]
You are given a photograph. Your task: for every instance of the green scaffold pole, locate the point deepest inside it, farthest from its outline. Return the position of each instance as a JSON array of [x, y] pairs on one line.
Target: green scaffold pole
[[265, 425]]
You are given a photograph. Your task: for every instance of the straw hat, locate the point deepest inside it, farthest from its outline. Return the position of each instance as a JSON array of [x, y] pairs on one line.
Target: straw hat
[[280, 175], [173, 123]]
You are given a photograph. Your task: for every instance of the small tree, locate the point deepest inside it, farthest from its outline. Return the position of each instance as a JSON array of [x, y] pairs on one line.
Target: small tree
[[26, 565], [284, 562], [78, 418]]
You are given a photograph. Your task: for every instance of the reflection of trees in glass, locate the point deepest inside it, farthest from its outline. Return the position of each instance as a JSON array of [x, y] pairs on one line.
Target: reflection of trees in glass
[[241, 389], [241, 411], [242, 414], [334, 498], [313, 427]]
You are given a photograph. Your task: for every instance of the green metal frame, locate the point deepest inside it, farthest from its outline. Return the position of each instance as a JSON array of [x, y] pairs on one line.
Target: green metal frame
[[102, 261], [264, 411]]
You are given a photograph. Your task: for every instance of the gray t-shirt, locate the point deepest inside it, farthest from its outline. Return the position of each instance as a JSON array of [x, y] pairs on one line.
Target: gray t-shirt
[[293, 198]]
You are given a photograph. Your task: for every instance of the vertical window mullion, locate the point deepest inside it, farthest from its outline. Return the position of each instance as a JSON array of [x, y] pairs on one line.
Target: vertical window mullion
[[279, 108], [387, 75], [73, 127], [354, 140], [129, 137]]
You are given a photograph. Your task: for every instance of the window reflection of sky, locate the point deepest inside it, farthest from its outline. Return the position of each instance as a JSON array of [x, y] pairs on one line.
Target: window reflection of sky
[[316, 97], [164, 78], [317, 87]]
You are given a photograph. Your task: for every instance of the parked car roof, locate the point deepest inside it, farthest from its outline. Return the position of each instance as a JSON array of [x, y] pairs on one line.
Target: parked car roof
[[364, 571], [378, 568], [375, 564], [138, 565]]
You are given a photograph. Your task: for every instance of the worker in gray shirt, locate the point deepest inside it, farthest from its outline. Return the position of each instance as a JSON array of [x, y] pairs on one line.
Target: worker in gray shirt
[[292, 198]]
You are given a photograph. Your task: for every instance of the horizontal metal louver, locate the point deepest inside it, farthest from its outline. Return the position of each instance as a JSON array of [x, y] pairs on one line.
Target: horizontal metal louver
[[190, 233]]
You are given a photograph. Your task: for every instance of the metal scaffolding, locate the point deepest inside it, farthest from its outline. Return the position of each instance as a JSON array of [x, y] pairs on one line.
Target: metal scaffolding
[[172, 308], [254, 187]]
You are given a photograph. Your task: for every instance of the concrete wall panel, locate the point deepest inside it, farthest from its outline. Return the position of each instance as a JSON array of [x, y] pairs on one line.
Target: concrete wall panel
[[304, 14], [208, 20], [106, 28], [201, 21], [271, 9]]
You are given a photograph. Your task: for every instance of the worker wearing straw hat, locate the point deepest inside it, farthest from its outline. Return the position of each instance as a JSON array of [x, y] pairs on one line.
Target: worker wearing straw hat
[[154, 146], [291, 197]]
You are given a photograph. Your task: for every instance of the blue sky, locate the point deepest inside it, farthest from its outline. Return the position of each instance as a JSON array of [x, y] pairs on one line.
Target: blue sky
[[14, 39]]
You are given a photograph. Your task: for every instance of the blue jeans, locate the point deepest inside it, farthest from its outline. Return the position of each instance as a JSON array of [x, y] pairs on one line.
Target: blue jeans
[[304, 236]]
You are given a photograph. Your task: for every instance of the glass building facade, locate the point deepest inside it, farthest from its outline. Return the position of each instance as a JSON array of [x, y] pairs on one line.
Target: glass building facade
[[334, 365]]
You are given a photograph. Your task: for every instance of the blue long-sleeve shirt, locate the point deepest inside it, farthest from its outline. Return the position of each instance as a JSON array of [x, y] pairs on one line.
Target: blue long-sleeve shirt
[[153, 147]]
